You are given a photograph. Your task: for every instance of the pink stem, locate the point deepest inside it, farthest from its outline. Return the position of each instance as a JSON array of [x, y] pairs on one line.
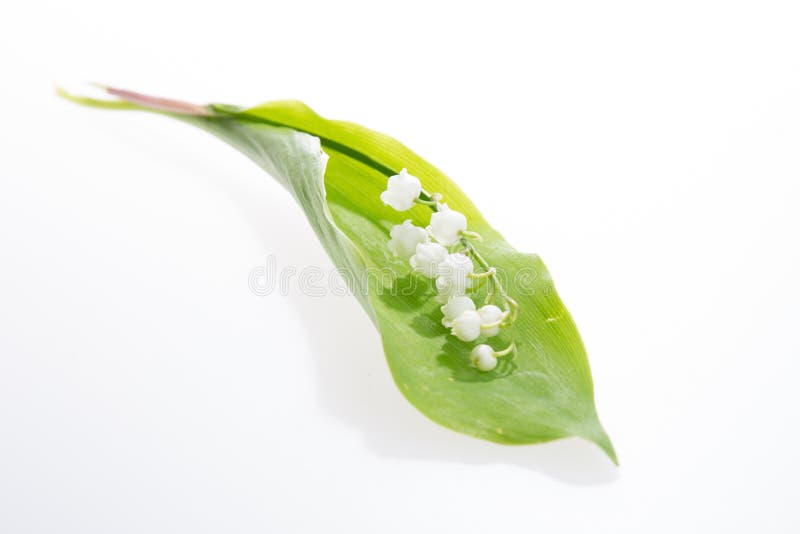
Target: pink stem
[[163, 104]]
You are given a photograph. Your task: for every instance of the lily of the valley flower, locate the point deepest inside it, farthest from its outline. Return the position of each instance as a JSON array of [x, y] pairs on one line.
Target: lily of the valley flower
[[456, 306], [491, 316], [483, 357], [453, 276], [467, 326], [402, 191], [427, 258], [447, 225], [405, 238], [454, 271]]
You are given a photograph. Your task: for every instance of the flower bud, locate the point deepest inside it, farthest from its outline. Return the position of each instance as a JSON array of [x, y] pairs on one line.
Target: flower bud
[[490, 315], [483, 357], [467, 326], [456, 306]]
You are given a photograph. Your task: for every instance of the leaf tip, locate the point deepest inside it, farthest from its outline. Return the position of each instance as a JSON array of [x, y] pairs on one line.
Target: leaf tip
[[92, 101], [599, 437]]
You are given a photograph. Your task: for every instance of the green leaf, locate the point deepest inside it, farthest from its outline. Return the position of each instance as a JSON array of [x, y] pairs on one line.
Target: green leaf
[[336, 172]]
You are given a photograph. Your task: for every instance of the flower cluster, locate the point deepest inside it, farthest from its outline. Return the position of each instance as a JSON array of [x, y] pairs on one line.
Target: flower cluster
[[445, 253]]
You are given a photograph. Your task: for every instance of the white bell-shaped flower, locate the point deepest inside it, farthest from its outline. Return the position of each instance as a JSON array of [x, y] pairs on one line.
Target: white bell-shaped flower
[[401, 191], [453, 276], [427, 258], [490, 316], [405, 238], [467, 326], [483, 357], [456, 306], [446, 225]]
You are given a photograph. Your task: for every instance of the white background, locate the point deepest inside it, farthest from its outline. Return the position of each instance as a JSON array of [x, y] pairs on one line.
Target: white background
[[650, 152]]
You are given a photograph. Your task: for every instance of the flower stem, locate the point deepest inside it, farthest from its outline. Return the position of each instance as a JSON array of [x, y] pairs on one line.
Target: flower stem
[[490, 273], [511, 348]]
